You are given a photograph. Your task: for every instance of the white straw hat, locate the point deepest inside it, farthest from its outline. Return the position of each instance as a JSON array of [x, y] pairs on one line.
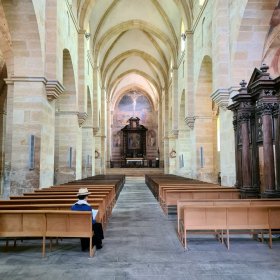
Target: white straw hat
[[83, 192]]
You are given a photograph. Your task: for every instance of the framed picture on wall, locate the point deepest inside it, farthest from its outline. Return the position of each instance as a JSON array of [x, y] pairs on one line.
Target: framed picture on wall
[[134, 140]]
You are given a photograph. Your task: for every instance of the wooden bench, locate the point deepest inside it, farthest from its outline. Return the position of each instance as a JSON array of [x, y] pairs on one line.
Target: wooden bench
[[181, 203], [163, 190], [230, 217], [172, 196], [46, 223]]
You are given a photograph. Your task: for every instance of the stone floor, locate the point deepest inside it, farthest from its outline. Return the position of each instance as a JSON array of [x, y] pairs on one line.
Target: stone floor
[[141, 243]]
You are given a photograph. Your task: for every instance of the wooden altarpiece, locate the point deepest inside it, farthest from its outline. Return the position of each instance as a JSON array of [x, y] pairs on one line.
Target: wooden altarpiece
[[256, 126], [134, 139]]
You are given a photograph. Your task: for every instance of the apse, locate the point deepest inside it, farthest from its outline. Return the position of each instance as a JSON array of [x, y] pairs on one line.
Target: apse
[[134, 104]]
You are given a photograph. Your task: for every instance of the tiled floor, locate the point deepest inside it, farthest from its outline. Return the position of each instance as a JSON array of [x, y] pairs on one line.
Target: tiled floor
[[141, 243]]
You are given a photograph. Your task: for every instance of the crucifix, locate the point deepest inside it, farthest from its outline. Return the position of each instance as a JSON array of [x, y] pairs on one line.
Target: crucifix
[[134, 95]]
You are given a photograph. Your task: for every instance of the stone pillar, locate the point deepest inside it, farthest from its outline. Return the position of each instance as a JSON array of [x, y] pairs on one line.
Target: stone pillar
[[177, 149], [67, 135], [88, 150], [8, 140], [175, 100], [29, 113], [109, 138], [166, 155]]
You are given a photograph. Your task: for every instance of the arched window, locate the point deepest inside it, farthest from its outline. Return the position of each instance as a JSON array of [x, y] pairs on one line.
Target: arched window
[[203, 31], [88, 39], [201, 2], [68, 24], [183, 37]]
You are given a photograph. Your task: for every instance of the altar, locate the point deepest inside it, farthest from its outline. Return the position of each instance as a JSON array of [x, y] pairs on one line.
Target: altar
[[134, 160], [134, 141]]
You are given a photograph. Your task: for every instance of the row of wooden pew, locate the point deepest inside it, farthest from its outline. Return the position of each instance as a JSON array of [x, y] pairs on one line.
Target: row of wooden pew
[[47, 212], [211, 209]]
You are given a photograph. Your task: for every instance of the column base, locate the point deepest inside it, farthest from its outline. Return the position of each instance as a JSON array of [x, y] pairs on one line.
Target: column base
[[250, 193], [270, 194]]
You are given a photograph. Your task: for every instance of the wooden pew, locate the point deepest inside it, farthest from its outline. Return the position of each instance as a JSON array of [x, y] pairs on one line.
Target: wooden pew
[[231, 217], [163, 190], [46, 223], [181, 203], [172, 196]]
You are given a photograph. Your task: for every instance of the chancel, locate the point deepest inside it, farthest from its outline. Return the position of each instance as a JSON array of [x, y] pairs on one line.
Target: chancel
[[164, 114]]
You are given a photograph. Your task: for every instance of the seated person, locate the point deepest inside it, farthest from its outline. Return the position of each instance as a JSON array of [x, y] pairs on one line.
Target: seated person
[[82, 205]]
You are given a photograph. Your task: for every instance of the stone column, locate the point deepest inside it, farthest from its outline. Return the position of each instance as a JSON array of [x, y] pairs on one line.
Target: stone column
[[8, 140], [270, 190], [109, 138], [166, 155], [177, 149], [88, 150], [29, 113]]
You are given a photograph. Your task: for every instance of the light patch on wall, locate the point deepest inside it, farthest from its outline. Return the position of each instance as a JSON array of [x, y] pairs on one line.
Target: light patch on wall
[[218, 134]]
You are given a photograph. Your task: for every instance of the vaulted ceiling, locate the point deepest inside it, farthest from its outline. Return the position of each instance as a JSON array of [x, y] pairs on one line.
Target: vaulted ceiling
[[134, 43]]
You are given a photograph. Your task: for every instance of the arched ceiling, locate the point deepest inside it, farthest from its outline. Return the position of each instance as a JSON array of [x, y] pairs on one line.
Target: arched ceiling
[[135, 42]]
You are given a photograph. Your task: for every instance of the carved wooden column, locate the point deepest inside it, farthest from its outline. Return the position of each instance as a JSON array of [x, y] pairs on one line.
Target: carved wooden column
[[246, 157], [255, 155], [237, 183], [270, 190], [276, 120]]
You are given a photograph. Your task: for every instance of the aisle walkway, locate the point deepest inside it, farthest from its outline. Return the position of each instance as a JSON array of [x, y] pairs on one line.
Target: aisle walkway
[[141, 243]]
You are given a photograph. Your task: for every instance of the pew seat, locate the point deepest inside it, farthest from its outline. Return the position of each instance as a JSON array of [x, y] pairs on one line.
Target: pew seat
[[243, 218], [46, 223]]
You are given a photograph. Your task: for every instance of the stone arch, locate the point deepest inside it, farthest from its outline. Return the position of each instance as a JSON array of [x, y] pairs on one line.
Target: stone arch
[[271, 53], [203, 102], [134, 71], [6, 42], [205, 131], [186, 12], [248, 42], [25, 39], [135, 24], [68, 99], [85, 11], [118, 96], [67, 130], [129, 53]]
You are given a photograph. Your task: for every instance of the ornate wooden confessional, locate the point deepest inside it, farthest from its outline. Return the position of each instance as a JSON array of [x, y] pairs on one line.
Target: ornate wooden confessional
[[134, 139], [257, 127]]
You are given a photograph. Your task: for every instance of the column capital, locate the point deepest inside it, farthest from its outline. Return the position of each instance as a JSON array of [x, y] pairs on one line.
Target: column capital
[[190, 122], [266, 108], [82, 116], [175, 133], [222, 95], [244, 117], [95, 130], [53, 89]]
